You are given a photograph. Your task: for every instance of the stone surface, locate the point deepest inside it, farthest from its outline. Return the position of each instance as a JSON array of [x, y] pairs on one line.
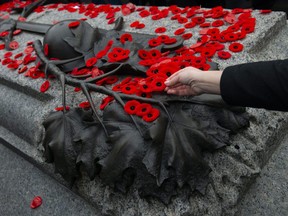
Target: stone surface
[[21, 181], [233, 168]]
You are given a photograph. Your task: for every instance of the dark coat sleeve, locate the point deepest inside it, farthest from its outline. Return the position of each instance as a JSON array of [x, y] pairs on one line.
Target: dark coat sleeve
[[259, 85]]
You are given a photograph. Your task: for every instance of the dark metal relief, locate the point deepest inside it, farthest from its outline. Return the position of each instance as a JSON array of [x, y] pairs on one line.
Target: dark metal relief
[[139, 135]]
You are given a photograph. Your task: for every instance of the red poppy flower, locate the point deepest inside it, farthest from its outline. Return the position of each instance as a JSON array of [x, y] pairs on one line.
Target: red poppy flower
[[217, 23], [163, 37], [129, 89], [155, 54], [22, 70], [96, 72], [145, 87], [125, 37], [198, 60], [85, 105], [77, 89], [190, 25], [241, 35], [248, 28], [13, 65], [146, 62], [118, 54], [223, 55], [144, 13], [2, 46], [111, 80], [140, 26], [13, 45], [4, 34], [111, 21], [182, 20], [143, 54], [36, 202], [28, 50], [230, 18], [46, 49], [8, 54], [166, 70], [74, 24], [131, 107], [179, 31], [236, 47], [143, 109], [117, 88], [152, 115], [134, 24], [153, 42], [237, 10], [170, 41], [213, 31], [158, 84], [198, 20], [106, 101], [160, 30], [76, 72], [61, 108], [208, 52], [91, 61], [205, 25], [265, 11], [45, 86], [231, 37], [17, 31]]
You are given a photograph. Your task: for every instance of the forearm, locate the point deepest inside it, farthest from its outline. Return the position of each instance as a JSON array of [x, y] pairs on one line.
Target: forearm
[[207, 82]]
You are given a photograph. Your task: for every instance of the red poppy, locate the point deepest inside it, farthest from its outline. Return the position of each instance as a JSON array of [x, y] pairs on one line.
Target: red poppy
[[231, 37], [237, 10], [140, 26], [111, 80], [160, 30], [91, 61], [8, 54], [198, 20], [77, 89], [241, 35], [13, 65], [4, 34], [144, 13], [145, 87], [190, 25], [118, 54], [106, 101], [117, 88], [13, 45], [28, 50], [265, 11], [111, 21], [155, 54], [45, 86], [134, 24], [36, 202], [182, 20], [153, 42], [129, 89], [170, 41], [223, 55], [18, 55], [217, 23], [166, 70], [198, 60], [144, 54], [158, 84], [74, 24], [125, 37], [248, 28], [143, 109], [96, 72], [61, 108], [85, 105], [208, 52], [230, 18], [131, 107], [163, 37], [152, 115], [146, 62], [76, 72], [22, 70], [236, 47], [2, 46], [179, 31], [205, 25], [17, 31]]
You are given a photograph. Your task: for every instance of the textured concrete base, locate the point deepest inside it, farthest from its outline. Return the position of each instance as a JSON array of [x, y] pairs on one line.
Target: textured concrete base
[[234, 168]]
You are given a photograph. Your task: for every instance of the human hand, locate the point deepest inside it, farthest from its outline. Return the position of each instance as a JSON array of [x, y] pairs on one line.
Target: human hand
[[192, 81]]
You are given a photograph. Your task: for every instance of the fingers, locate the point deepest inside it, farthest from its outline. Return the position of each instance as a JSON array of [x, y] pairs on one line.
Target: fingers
[[181, 90]]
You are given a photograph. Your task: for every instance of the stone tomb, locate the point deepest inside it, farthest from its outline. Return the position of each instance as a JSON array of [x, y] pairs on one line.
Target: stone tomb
[[234, 168]]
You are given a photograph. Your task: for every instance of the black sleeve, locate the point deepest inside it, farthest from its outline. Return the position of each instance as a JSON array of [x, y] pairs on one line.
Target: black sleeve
[[259, 85]]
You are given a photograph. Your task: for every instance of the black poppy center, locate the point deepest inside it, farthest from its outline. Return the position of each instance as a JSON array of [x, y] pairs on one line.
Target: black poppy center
[[132, 107]]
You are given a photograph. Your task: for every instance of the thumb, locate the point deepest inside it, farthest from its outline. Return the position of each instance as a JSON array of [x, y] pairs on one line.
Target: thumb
[[173, 80]]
